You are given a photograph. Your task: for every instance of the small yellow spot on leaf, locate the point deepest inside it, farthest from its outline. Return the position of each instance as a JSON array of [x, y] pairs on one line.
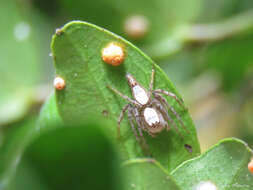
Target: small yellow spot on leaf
[[250, 166], [113, 54], [58, 31], [59, 83]]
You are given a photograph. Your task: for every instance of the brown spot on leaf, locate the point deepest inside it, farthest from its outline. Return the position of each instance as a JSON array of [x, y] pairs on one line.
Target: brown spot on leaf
[[188, 148], [105, 113]]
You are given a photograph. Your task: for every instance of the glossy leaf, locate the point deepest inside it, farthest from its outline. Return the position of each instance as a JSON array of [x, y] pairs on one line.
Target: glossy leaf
[[147, 174], [15, 140], [77, 53], [62, 158], [225, 165], [17, 137]]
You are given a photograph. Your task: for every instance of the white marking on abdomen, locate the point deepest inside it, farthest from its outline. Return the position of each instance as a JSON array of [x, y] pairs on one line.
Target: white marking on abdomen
[[151, 116], [140, 95]]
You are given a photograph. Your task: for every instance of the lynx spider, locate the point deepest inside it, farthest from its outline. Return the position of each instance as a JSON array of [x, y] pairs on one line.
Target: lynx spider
[[150, 113]]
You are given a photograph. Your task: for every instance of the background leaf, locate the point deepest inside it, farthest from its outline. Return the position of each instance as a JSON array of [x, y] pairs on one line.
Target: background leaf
[[61, 158], [147, 174], [232, 59], [15, 139], [24, 60], [18, 63], [211, 11], [225, 165], [162, 16]]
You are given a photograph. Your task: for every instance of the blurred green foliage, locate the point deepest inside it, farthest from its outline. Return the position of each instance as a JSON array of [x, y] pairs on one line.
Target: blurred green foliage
[[63, 159], [205, 47]]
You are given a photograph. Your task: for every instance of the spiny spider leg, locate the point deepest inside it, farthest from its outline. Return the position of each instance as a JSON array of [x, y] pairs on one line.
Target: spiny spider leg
[[151, 134], [162, 99], [151, 82], [139, 127], [160, 91], [124, 96], [130, 118], [167, 117], [125, 108]]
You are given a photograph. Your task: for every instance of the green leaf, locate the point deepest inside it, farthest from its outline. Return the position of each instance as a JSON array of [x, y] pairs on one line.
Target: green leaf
[[49, 117], [15, 140], [17, 137], [77, 52], [147, 174], [19, 63], [62, 158], [48, 146], [20, 59], [224, 165], [231, 58]]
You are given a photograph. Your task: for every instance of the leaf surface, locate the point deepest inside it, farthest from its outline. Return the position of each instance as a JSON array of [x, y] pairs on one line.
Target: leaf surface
[[77, 53], [147, 174], [62, 158], [225, 165]]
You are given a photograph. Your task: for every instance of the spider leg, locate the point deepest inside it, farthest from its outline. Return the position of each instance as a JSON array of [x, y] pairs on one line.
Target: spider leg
[[151, 82], [140, 126], [130, 118], [140, 117], [159, 106], [124, 96], [160, 91], [125, 108], [163, 101], [151, 134]]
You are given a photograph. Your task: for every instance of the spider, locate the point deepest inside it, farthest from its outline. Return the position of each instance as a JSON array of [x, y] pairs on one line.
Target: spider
[[149, 109]]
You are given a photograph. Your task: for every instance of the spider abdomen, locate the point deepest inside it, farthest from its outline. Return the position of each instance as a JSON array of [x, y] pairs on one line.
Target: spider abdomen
[[153, 119]]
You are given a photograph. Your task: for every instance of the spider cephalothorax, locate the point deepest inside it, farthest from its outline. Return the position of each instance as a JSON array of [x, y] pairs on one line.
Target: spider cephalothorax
[[148, 108]]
